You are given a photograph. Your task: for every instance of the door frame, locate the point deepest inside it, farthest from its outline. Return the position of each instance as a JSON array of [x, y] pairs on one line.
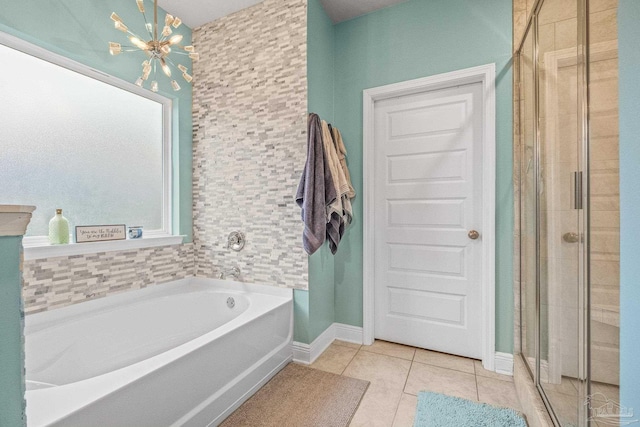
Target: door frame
[[484, 74]]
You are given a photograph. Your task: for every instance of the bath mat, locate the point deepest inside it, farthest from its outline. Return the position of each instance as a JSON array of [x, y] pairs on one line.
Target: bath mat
[[301, 397], [438, 410]]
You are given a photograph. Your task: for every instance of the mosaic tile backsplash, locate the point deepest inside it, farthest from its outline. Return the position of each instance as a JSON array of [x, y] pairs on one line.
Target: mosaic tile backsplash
[[52, 283], [249, 142]]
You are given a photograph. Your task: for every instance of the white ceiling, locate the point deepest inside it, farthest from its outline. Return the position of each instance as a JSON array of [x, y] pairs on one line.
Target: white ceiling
[[198, 12], [341, 10]]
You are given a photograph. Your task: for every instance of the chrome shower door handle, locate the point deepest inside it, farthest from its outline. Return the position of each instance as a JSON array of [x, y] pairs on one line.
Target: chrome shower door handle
[[473, 234]]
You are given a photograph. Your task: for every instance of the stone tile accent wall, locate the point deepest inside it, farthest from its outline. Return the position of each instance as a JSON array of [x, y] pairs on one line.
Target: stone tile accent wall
[[249, 142], [52, 283]]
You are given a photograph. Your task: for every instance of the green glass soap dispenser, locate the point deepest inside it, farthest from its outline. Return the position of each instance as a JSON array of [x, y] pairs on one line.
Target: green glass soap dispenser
[[58, 229]]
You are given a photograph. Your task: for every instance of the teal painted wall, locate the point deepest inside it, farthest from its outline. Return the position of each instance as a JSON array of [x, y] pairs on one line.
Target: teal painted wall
[[81, 30], [629, 63], [320, 61], [301, 331], [411, 40], [314, 309], [11, 344]]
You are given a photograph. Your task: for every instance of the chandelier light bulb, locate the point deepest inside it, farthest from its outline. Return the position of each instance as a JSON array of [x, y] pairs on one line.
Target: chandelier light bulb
[[166, 31], [175, 39], [149, 27], [165, 67], [146, 70], [187, 77], [154, 86], [140, 4], [139, 81], [175, 85], [138, 43], [176, 22], [194, 56], [115, 17], [182, 68], [189, 49]]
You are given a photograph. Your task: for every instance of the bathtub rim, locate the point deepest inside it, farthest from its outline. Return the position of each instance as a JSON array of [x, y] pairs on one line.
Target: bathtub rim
[[34, 322], [56, 403]]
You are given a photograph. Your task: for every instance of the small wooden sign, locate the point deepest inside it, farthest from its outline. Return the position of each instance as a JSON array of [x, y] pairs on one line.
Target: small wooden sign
[[100, 233]]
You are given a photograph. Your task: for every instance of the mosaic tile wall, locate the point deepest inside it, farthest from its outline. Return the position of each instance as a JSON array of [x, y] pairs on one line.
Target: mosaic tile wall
[[249, 142], [52, 283]]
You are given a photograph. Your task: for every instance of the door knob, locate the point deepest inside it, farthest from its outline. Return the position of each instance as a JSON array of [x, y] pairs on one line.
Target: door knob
[[473, 234], [571, 237]]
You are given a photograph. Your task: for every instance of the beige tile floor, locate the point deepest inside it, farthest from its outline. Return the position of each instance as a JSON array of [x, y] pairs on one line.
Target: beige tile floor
[[564, 398], [397, 373]]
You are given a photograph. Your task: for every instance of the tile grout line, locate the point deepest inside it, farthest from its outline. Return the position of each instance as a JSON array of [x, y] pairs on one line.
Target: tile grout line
[[341, 343], [444, 367], [395, 414], [406, 380], [475, 378], [349, 363], [388, 355]]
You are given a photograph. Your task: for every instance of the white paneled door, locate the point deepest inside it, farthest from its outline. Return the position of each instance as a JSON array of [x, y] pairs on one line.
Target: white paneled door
[[427, 219]]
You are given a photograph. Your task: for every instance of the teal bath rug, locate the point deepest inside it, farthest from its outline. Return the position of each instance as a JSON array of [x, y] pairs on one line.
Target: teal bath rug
[[438, 410]]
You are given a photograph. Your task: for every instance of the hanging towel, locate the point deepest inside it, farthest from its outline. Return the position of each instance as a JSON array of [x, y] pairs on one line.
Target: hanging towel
[[316, 190], [342, 185], [342, 156], [341, 152], [335, 213]]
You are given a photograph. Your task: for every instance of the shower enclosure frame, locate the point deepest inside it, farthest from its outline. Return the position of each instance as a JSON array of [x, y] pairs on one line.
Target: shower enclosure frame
[[581, 202]]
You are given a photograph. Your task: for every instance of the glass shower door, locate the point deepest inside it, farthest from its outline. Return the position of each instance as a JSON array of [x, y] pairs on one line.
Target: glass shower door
[[569, 208], [528, 185], [604, 206], [559, 209]]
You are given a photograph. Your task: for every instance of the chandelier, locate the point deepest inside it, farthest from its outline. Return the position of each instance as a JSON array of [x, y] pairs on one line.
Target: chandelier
[[157, 49]]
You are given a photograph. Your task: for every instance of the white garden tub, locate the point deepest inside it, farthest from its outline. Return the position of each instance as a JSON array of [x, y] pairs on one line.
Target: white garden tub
[[169, 355]]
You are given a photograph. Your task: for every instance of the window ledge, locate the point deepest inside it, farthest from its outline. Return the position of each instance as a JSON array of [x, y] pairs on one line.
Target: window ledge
[[38, 250]]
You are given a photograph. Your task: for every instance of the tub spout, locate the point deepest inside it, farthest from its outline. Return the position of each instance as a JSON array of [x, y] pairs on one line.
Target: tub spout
[[233, 272]]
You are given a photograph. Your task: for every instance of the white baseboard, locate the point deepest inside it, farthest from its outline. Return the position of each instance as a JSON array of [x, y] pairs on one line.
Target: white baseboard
[[301, 353], [348, 333], [504, 363], [308, 353]]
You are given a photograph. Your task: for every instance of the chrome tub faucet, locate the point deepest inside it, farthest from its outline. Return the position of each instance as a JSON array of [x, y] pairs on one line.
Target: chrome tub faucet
[[233, 272]]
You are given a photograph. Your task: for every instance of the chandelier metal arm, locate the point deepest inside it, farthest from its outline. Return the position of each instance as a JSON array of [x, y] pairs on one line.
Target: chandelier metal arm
[[146, 24], [155, 20]]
